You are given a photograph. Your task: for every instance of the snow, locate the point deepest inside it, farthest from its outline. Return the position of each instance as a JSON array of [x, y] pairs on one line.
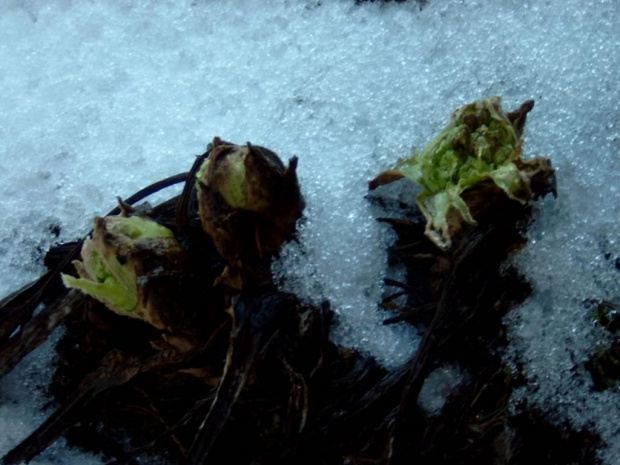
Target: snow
[[439, 386], [99, 99]]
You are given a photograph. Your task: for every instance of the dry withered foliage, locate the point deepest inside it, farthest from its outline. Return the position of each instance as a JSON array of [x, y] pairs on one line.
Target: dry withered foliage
[[236, 371]]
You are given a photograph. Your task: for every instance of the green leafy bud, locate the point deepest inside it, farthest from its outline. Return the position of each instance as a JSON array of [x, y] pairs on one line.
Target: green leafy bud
[[121, 262], [480, 146], [249, 204]]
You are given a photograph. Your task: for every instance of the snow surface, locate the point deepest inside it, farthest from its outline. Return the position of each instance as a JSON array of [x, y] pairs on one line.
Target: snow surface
[[98, 99]]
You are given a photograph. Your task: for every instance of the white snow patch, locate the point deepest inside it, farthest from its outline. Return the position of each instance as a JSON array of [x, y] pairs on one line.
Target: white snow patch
[[439, 386]]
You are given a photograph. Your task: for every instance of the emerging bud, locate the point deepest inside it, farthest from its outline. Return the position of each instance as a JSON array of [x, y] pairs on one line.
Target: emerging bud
[[249, 204], [480, 146], [124, 265]]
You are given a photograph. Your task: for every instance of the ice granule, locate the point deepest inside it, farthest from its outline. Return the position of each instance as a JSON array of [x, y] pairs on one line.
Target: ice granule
[[438, 386]]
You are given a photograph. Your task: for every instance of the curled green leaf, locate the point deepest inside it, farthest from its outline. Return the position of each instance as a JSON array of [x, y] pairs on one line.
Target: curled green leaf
[[119, 261]]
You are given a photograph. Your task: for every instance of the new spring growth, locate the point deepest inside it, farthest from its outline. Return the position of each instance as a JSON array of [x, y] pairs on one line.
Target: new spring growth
[[481, 146], [123, 264], [249, 204]]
